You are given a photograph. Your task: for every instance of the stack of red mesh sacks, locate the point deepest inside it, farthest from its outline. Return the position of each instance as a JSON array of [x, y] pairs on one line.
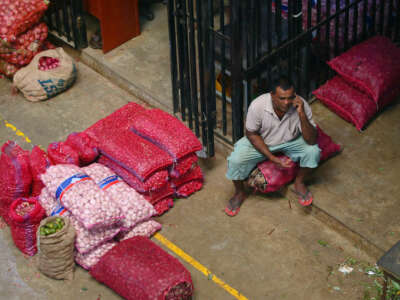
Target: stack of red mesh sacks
[[22, 35], [147, 161]]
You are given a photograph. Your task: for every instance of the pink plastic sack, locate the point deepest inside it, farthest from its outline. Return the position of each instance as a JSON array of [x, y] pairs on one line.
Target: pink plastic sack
[[38, 162], [25, 215], [146, 229], [61, 153], [184, 165], [88, 260], [132, 205], [154, 182], [372, 66], [163, 205], [347, 102], [86, 240], [84, 145], [167, 132], [15, 176], [19, 15], [26, 46], [138, 269], [78, 193]]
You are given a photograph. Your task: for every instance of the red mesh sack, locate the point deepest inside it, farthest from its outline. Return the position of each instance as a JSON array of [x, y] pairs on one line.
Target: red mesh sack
[[84, 145], [61, 153], [38, 162], [155, 196], [183, 165], [25, 216], [189, 188], [26, 46], [164, 205], [373, 66], [167, 132], [137, 155], [138, 269], [15, 176], [154, 182], [196, 173], [8, 69], [118, 120], [347, 102], [327, 146], [18, 16]]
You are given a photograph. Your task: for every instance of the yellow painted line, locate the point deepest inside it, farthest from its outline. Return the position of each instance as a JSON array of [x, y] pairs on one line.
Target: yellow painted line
[[163, 240], [178, 251]]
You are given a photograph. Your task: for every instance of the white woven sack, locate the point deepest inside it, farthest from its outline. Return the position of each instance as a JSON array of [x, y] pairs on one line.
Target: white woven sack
[[37, 85]]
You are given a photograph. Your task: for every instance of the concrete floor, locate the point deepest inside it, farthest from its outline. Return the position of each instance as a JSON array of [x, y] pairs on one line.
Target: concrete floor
[[269, 251]]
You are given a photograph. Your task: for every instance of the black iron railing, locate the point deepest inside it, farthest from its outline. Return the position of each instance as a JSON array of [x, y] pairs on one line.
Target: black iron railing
[[65, 19], [225, 52]]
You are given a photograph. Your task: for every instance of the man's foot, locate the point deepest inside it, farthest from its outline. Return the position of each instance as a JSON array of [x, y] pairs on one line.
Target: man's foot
[[304, 195], [233, 207]]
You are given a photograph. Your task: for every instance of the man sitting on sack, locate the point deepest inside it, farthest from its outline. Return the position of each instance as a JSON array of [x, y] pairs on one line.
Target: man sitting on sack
[[280, 121]]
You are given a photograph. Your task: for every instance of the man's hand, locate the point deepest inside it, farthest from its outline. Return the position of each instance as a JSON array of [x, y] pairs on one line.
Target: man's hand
[[283, 162], [299, 104]]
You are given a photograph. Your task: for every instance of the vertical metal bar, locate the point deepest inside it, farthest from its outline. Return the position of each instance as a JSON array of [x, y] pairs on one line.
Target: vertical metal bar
[[355, 24], [382, 4], [172, 50], [269, 25], [223, 66], [389, 19], [259, 18], [74, 23], [365, 20], [180, 46], [396, 36], [67, 30], [201, 25], [319, 20], [49, 15], [186, 69], [337, 20], [346, 26], [57, 11], [193, 69], [236, 55], [328, 27], [83, 43], [290, 36], [297, 29], [373, 17], [308, 49], [278, 20]]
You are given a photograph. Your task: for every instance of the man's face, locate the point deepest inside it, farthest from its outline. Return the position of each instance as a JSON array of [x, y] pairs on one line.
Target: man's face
[[283, 100]]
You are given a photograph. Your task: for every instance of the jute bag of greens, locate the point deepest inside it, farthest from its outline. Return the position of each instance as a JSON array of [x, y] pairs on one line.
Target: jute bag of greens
[[56, 239]]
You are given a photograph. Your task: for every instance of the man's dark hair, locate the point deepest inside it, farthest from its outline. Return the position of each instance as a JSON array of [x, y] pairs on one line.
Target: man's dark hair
[[283, 82]]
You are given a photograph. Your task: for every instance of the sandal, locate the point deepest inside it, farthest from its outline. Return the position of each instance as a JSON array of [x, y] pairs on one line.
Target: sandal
[[232, 212], [304, 199]]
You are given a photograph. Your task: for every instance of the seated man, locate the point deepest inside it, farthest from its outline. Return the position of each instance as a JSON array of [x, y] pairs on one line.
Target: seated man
[[278, 121]]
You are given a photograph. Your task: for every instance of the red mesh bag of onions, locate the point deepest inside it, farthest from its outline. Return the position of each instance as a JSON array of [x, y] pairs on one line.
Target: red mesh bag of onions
[[38, 162], [19, 15], [84, 145], [62, 153], [15, 176], [25, 216], [138, 269], [163, 205], [25, 47], [7, 69]]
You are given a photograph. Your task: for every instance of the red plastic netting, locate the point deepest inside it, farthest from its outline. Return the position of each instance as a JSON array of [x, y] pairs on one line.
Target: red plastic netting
[[19, 15], [347, 102], [154, 182], [86, 147], [8, 69], [15, 176], [38, 162], [155, 196], [184, 165], [372, 66], [138, 269], [326, 144], [196, 173], [25, 47], [25, 215], [164, 205], [61, 153], [167, 132], [189, 188]]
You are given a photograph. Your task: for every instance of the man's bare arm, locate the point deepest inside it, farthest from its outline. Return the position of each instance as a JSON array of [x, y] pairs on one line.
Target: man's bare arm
[[309, 132]]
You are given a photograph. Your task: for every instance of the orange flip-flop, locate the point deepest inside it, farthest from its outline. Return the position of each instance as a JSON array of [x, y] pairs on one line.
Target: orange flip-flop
[[304, 199], [232, 212]]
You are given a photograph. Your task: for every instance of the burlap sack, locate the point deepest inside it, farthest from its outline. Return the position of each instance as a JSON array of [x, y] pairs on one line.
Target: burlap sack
[[56, 251], [37, 85]]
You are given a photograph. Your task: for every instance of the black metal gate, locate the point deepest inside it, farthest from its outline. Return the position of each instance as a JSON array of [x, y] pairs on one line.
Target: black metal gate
[[225, 52], [65, 19]]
